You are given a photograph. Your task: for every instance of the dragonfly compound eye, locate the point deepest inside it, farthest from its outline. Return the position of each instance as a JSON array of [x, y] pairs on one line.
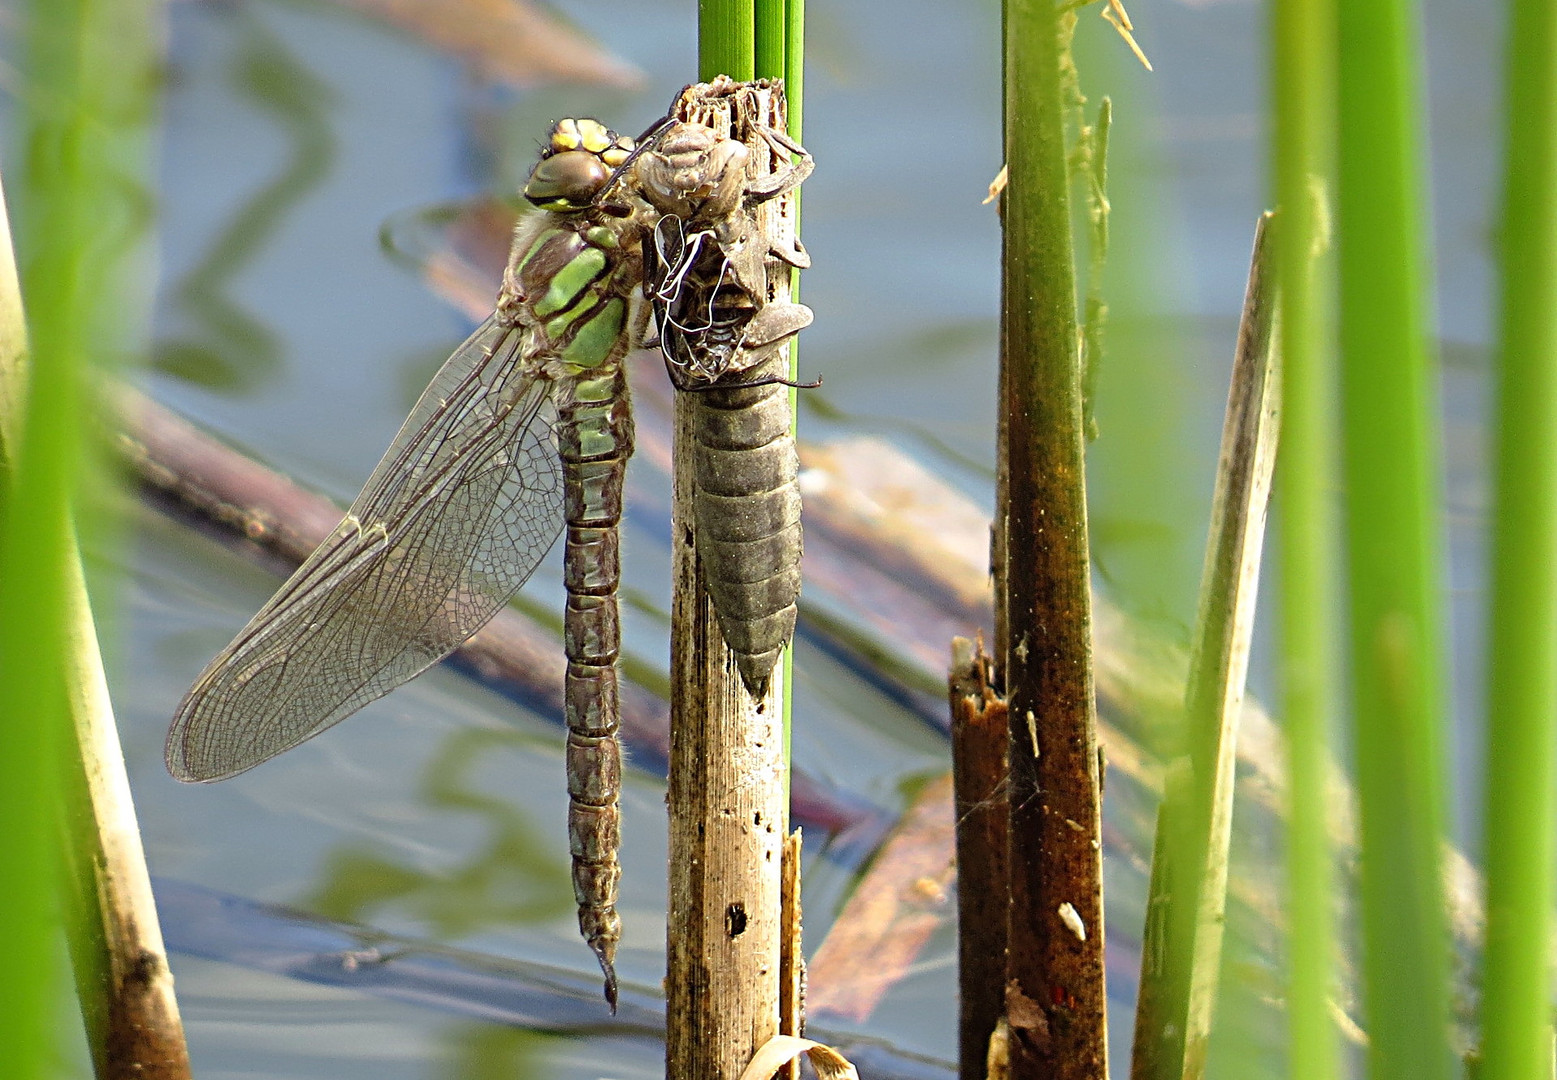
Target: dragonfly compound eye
[[568, 180]]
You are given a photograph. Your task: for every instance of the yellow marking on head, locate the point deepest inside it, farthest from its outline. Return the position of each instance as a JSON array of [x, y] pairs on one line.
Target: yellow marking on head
[[565, 135], [595, 136]]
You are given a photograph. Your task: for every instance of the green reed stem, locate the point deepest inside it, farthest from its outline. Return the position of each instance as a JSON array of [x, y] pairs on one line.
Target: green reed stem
[[781, 54], [794, 71], [766, 40], [771, 39], [1303, 107], [726, 39], [60, 192], [1393, 545], [1521, 786]]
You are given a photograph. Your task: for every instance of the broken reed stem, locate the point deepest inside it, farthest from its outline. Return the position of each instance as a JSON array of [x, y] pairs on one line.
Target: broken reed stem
[[121, 966], [979, 743], [123, 984], [1056, 997], [728, 797], [1182, 944]]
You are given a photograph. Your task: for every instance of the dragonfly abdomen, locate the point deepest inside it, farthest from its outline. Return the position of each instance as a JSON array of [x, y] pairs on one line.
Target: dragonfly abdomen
[[569, 282], [594, 439]]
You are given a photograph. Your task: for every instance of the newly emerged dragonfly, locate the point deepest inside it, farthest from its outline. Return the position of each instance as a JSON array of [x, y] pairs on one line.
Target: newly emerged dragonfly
[[524, 430]]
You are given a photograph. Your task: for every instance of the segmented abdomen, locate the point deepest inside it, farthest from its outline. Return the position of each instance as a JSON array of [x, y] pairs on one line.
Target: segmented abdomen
[[568, 282], [747, 507], [594, 435]]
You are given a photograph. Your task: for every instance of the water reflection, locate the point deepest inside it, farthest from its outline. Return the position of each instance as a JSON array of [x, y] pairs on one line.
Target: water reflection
[[224, 347], [489, 1052], [512, 879]]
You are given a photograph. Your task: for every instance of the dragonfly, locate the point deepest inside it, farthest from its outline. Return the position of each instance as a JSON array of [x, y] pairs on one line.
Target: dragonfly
[[523, 434]]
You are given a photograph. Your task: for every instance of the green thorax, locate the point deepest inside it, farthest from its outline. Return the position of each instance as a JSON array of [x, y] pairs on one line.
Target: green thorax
[[574, 267], [576, 277]]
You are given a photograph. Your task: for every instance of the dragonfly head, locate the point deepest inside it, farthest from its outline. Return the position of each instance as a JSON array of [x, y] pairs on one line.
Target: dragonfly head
[[577, 163]]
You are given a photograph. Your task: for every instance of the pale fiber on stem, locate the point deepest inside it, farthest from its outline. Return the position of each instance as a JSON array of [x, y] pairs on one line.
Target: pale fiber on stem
[[792, 961]]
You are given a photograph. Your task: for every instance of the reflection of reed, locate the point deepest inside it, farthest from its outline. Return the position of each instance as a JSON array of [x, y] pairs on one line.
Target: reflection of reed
[[510, 881], [226, 346]]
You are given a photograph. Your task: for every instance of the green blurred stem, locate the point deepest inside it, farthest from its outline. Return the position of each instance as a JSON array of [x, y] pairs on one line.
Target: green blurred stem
[[1395, 569], [1186, 909], [81, 212], [60, 192], [1302, 51], [1521, 786]]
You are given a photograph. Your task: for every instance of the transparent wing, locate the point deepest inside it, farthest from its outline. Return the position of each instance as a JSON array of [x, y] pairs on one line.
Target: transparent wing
[[464, 505]]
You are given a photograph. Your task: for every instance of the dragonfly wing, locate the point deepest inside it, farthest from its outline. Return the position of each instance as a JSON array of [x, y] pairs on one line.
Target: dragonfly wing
[[455, 518]]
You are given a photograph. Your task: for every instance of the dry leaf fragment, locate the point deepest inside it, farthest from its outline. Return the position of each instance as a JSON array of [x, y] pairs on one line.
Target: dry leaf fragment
[[997, 185], [1026, 1017], [1072, 921], [780, 1050]]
